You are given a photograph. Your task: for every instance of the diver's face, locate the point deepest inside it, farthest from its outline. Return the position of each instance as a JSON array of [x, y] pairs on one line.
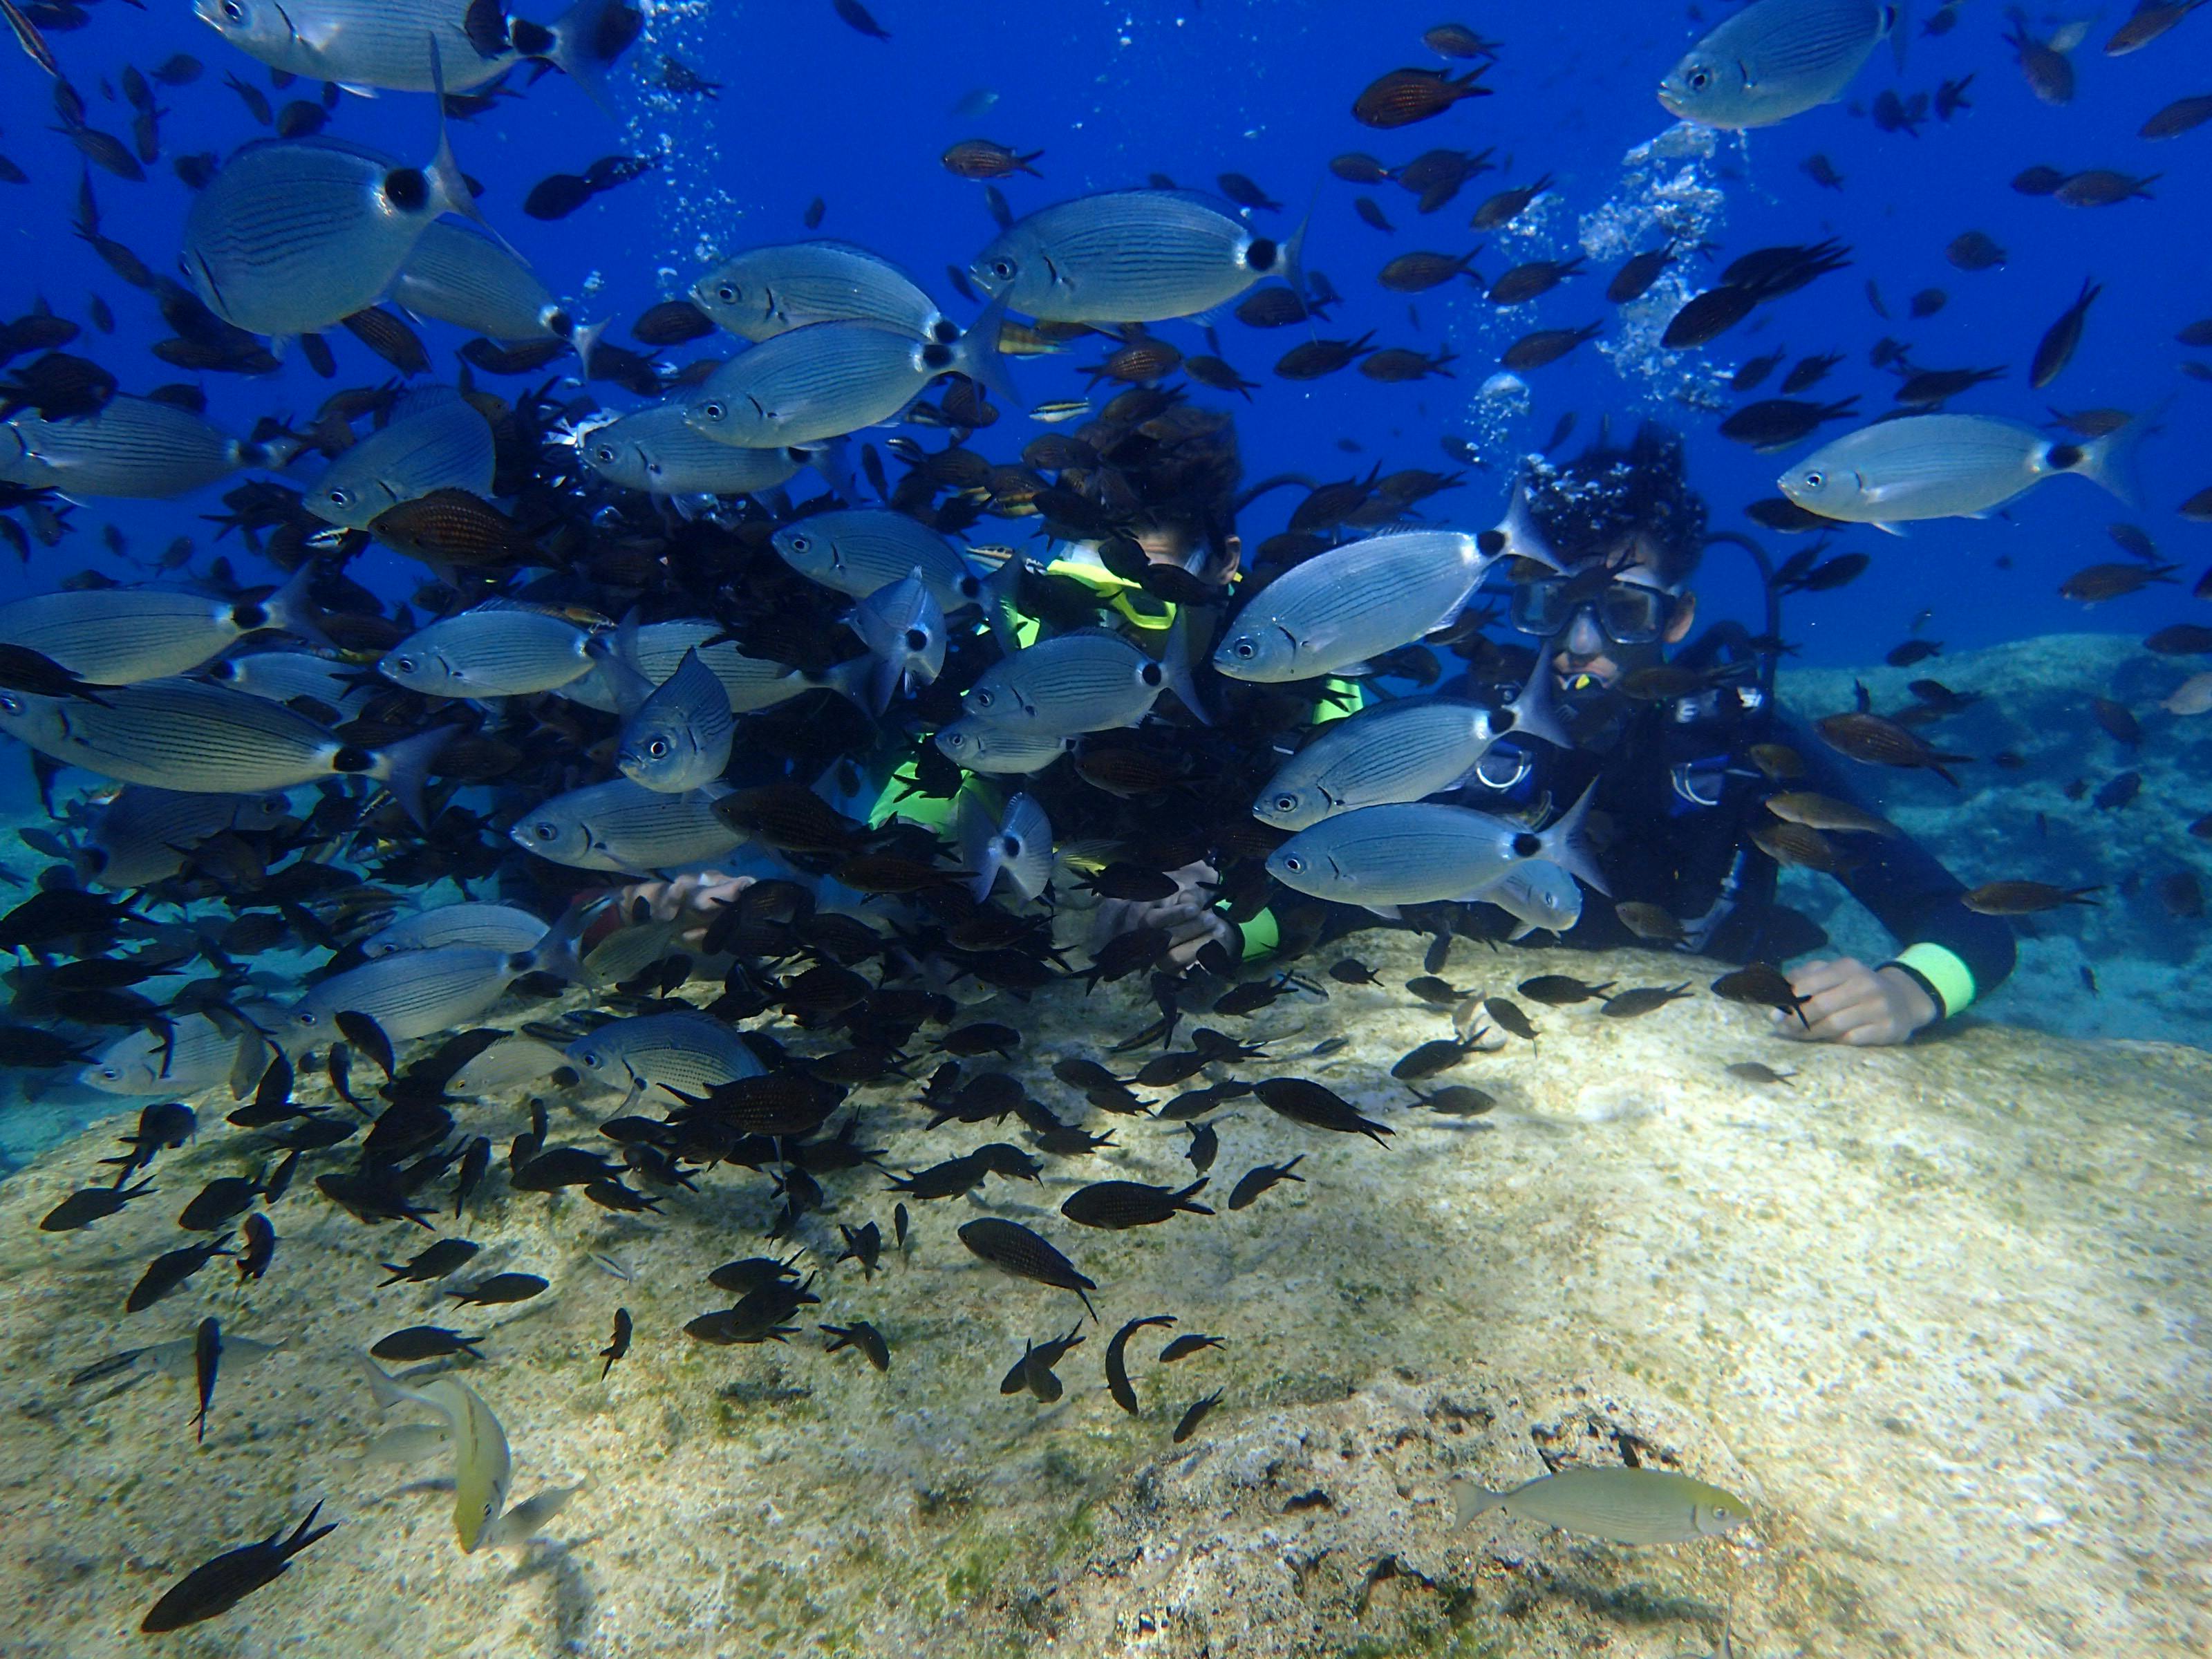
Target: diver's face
[[1586, 659]]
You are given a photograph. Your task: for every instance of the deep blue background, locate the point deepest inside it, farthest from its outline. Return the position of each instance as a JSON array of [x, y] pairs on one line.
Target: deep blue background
[[1112, 93]]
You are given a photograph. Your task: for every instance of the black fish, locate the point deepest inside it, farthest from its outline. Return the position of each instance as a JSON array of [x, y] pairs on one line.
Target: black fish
[[23, 669], [618, 1346], [1560, 991], [425, 1342], [446, 1256], [1196, 1415], [1117, 1367], [216, 1204], [1013, 1250], [221, 1584], [864, 1245], [856, 14], [1184, 1346], [1303, 1100], [475, 1160], [1255, 1182], [366, 1035], [207, 1358], [862, 1337], [558, 195], [1205, 1146], [754, 1272], [1429, 1058], [260, 1246], [499, 1288], [1350, 971], [1115, 1205], [81, 1209], [170, 1269]]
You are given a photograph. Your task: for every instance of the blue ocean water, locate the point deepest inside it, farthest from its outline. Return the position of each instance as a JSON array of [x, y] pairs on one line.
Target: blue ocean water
[[809, 110]]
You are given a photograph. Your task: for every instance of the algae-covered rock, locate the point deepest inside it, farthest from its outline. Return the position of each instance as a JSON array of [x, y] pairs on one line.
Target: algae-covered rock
[[1937, 1312]]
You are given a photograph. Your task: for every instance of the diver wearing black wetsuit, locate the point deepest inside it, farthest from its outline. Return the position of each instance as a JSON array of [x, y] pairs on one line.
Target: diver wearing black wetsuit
[[1678, 787]]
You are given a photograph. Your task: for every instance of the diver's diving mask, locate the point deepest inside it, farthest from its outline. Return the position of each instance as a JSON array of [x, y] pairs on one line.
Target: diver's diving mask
[[1625, 612]]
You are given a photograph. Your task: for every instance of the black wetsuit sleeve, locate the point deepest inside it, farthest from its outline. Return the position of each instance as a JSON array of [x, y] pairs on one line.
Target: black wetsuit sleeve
[[1902, 884]]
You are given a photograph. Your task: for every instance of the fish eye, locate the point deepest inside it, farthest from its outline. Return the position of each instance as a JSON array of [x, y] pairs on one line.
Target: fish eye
[[340, 498], [728, 294], [1286, 802], [983, 699], [544, 831], [1699, 80], [1245, 650], [917, 640], [603, 454], [10, 705], [801, 543], [233, 11], [306, 1016], [658, 749], [713, 412], [1003, 269], [1294, 864], [1815, 479], [405, 665]]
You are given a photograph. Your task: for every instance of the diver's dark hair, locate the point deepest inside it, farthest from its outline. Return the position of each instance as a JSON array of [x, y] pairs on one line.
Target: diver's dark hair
[[1606, 494]]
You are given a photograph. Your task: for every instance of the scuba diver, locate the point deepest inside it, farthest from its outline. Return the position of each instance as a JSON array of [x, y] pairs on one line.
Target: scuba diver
[[1674, 738]]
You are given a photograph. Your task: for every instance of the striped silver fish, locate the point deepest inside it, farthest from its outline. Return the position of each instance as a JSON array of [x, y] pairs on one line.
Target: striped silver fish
[[144, 836], [1131, 256], [1332, 613], [387, 43], [1406, 749], [830, 379], [648, 1057], [1622, 1505], [517, 1063], [679, 737], [209, 739], [122, 636], [435, 441], [1949, 466], [191, 1053], [492, 650], [1774, 59], [497, 927], [988, 747], [1382, 857], [292, 235], [1090, 680], [864, 550], [627, 829], [135, 449], [657, 451], [767, 291], [462, 276], [751, 682], [281, 676], [418, 993]]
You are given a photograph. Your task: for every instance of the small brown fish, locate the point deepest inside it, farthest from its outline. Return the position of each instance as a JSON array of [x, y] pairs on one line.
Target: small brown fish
[[1751, 1070], [1880, 742], [1547, 345], [2062, 338], [1641, 1000], [1560, 991], [2024, 898], [1826, 812], [1403, 96], [981, 158], [1196, 1415]]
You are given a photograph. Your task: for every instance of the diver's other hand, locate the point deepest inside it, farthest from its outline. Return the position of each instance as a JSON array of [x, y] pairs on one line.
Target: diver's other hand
[[1850, 1003], [1187, 915], [690, 898]]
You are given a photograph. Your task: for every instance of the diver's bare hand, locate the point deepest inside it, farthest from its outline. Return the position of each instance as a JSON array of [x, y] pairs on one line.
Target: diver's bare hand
[[696, 896], [1850, 1003], [1187, 915]]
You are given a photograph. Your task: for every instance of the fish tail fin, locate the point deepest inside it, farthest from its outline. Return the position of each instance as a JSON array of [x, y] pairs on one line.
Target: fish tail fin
[[2110, 461], [1000, 610], [404, 768], [976, 355], [306, 1531], [1470, 1500], [584, 42], [1290, 260], [1897, 16], [292, 608], [1183, 1200], [387, 1390], [449, 185], [1534, 711], [852, 680], [1186, 648], [1025, 836], [586, 341], [977, 836], [556, 953], [832, 459], [1567, 846]]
